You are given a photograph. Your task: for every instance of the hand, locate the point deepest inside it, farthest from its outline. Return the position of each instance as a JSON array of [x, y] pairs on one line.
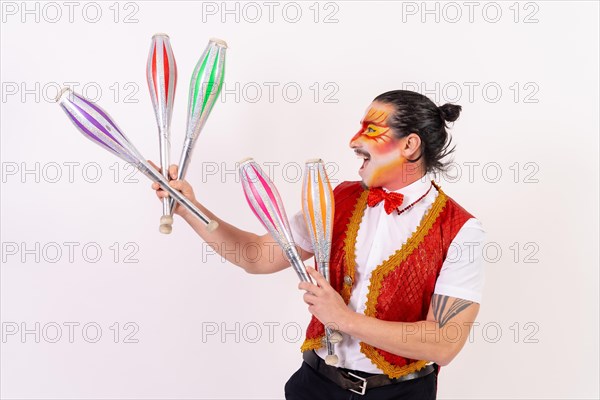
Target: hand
[[181, 185], [324, 302]]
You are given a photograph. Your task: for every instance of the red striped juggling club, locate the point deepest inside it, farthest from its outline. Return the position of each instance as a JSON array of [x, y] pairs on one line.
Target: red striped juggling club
[[161, 73]]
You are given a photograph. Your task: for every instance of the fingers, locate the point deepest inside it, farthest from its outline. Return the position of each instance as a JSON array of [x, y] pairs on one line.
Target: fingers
[[309, 287], [309, 298], [321, 281], [161, 194], [176, 184], [173, 170], [179, 185], [155, 185]]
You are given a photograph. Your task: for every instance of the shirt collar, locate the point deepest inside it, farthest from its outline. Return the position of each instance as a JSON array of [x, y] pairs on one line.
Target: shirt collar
[[415, 190]]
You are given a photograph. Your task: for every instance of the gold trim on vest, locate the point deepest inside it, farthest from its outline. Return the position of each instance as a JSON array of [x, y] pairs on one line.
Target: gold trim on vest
[[382, 270], [396, 260], [349, 245]]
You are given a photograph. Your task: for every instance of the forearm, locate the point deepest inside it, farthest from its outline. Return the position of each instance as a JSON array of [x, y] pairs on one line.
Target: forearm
[[422, 340], [438, 338], [245, 249]]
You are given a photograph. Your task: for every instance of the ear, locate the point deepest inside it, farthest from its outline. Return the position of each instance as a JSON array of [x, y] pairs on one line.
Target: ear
[[411, 150]]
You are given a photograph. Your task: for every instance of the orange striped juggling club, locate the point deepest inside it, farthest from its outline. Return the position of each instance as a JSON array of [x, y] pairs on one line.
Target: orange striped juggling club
[[318, 208]]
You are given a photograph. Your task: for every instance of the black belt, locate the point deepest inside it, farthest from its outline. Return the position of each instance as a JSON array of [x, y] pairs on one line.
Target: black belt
[[348, 380]]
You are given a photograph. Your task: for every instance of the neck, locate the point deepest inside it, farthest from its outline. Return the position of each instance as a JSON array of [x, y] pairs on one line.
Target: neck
[[410, 174]]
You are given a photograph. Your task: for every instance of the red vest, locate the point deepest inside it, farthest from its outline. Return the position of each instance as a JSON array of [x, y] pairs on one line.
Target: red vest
[[402, 286]]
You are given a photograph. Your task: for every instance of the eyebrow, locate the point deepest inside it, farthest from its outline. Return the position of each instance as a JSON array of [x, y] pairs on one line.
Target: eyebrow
[[376, 117]]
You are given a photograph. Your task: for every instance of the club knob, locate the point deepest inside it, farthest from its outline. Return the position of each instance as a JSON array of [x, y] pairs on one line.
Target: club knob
[[331, 359]]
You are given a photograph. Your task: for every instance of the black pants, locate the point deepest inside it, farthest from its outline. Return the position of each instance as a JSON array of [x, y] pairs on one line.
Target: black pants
[[307, 384]]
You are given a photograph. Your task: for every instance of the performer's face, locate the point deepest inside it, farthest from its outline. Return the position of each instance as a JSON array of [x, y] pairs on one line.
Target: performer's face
[[376, 144]]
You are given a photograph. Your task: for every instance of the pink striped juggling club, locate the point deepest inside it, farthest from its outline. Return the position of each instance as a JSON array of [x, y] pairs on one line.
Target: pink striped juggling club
[[96, 125], [161, 73], [318, 209], [264, 200]]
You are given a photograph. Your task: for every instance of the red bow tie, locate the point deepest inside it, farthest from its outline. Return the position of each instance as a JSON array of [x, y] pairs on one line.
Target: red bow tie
[[391, 200]]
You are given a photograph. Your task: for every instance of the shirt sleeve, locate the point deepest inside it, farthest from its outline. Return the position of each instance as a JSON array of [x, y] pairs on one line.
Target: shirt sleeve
[[300, 232], [462, 274]]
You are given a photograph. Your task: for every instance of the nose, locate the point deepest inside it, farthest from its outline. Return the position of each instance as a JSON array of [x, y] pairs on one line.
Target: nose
[[353, 141]]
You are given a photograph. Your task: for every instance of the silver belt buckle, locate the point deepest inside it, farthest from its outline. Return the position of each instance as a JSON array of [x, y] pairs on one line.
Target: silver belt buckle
[[363, 388]]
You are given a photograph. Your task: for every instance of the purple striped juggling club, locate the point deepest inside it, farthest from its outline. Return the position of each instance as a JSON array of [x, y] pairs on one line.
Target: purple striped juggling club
[[161, 73], [263, 199], [98, 126]]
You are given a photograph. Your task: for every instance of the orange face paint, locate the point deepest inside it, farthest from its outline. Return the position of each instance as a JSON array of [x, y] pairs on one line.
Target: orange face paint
[[373, 125], [376, 139]]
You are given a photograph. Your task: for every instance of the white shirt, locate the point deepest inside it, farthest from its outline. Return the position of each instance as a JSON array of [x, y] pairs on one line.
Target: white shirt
[[461, 276]]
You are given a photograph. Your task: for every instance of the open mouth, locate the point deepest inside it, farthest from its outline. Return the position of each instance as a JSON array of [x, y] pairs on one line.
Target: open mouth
[[365, 156]]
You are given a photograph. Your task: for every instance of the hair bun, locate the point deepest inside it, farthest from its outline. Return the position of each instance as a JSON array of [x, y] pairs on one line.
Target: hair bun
[[450, 112]]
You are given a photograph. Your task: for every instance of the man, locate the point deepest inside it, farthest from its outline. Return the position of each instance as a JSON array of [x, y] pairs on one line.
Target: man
[[405, 287]]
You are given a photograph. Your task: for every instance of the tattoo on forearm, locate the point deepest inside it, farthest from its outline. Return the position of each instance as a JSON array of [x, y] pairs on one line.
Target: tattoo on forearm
[[443, 311]]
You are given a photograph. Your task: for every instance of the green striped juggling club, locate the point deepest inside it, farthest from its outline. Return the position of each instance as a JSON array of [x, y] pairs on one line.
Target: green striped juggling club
[[205, 86]]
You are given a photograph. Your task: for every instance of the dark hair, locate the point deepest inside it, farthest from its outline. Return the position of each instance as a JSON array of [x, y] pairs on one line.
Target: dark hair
[[415, 113]]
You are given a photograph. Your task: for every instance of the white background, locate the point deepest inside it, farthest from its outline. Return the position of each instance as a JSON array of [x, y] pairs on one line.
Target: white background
[[538, 332]]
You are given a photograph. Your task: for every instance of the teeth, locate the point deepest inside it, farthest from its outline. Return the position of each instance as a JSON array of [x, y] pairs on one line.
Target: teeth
[[362, 156]]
